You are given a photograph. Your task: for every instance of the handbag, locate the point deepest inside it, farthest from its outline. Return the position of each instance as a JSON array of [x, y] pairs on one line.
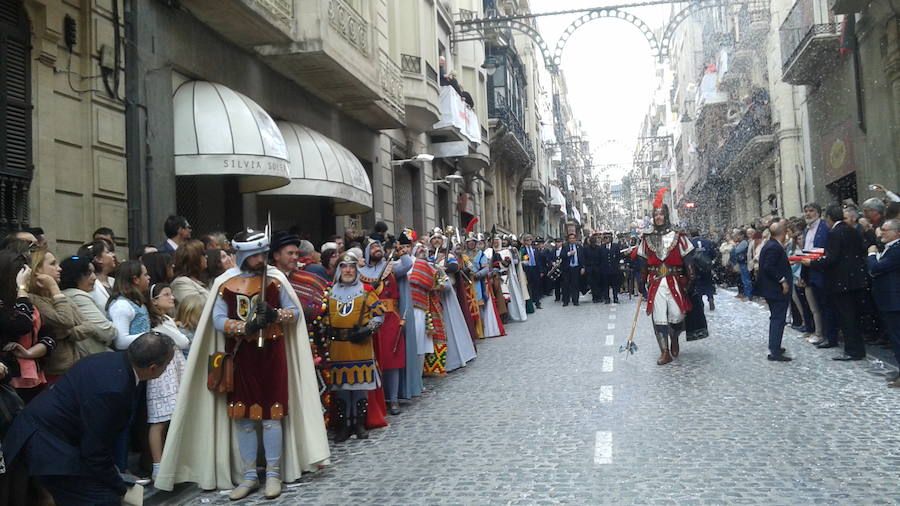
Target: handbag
[[220, 371]]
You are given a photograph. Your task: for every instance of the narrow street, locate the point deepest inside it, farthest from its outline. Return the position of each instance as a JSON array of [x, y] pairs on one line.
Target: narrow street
[[553, 413]]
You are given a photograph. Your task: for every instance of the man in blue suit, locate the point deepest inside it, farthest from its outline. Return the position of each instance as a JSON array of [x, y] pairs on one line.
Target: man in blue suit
[[884, 268], [67, 434], [774, 284], [533, 263], [816, 236]]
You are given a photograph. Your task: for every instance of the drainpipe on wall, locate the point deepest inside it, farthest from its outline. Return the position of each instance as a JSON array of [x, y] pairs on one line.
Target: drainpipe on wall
[[133, 143]]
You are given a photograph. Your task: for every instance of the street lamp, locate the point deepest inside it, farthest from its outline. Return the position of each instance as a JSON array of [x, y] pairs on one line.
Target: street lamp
[[490, 65], [422, 157]]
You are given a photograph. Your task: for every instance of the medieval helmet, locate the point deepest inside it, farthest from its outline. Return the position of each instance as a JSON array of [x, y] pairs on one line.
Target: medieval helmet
[[660, 206], [249, 242]]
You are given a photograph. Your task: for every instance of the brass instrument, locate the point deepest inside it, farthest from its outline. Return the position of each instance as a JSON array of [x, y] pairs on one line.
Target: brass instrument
[[555, 270]]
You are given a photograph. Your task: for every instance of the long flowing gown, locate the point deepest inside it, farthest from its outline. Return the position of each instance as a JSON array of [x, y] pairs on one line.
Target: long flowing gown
[[411, 374], [460, 349]]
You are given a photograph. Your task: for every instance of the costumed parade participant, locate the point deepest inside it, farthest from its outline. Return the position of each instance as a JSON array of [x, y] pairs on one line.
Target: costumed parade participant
[[490, 313], [390, 344], [506, 262], [464, 285], [411, 375], [424, 281], [460, 348], [666, 276], [354, 314], [253, 323], [311, 288]]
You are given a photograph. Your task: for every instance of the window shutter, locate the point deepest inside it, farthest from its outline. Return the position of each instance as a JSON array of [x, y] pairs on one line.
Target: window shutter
[[15, 115]]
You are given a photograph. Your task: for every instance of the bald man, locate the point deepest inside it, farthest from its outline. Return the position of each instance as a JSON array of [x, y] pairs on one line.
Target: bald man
[[773, 282]]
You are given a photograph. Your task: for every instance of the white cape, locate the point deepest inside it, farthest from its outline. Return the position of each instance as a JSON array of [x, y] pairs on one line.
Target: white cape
[[200, 446]]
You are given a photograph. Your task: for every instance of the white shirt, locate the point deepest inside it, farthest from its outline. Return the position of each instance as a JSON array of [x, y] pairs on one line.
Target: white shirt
[[810, 239], [886, 246]]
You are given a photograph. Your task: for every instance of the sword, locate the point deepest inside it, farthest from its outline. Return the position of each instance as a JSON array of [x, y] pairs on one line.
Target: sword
[[265, 276], [630, 345]]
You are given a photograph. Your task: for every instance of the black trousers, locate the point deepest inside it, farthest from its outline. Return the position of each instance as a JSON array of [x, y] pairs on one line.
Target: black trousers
[[777, 315], [569, 284], [597, 282], [612, 284], [891, 322], [848, 306], [79, 491], [535, 290]]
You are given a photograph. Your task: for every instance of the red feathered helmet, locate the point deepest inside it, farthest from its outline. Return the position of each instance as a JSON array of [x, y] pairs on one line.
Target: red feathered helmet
[[660, 207]]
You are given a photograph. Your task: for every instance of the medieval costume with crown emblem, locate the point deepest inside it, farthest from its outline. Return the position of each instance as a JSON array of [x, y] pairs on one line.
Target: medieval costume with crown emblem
[[390, 344], [274, 386], [667, 272], [354, 314]]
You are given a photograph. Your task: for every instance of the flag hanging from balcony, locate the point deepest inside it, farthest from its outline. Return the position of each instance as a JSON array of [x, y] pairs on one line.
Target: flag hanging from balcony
[[848, 34]]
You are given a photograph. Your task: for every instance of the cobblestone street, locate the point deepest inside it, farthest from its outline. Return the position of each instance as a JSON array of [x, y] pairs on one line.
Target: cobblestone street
[[552, 413]]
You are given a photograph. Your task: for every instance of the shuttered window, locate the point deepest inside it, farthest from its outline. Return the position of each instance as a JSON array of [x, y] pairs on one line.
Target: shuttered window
[[15, 115]]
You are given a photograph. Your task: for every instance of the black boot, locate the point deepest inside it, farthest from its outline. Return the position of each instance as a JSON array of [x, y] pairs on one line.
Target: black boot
[[344, 429], [359, 427]]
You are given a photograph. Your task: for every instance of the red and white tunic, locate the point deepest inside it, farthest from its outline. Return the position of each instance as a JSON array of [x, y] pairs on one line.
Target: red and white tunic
[[667, 299]]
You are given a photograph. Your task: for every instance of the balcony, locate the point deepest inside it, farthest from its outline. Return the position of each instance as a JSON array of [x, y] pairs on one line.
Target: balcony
[[247, 23], [747, 143], [807, 47], [335, 56], [420, 94], [457, 133], [847, 6], [533, 188], [508, 136]]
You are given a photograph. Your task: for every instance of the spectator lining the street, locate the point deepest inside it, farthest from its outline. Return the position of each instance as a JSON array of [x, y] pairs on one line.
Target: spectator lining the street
[[127, 308], [76, 282], [178, 232], [190, 270], [59, 317], [99, 253], [159, 266], [66, 435], [884, 267], [163, 391], [187, 316], [217, 262]]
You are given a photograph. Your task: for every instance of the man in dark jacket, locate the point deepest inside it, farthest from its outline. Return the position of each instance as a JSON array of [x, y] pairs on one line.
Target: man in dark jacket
[[67, 433], [884, 268], [572, 269], [533, 264], [612, 253], [773, 282], [844, 265], [593, 265]]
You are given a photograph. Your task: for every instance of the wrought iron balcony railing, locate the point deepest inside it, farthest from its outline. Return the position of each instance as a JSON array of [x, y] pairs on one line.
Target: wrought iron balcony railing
[[514, 124], [756, 121], [411, 64]]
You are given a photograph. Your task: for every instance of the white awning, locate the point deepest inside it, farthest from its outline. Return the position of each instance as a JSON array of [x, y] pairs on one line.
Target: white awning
[[557, 199], [321, 167], [219, 132]]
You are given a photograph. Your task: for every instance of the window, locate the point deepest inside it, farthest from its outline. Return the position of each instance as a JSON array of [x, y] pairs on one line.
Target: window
[[15, 115]]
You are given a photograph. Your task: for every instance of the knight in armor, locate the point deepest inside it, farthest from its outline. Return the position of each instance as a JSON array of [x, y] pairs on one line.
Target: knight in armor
[[255, 318], [354, 314], [668, 302], [390, 345]]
